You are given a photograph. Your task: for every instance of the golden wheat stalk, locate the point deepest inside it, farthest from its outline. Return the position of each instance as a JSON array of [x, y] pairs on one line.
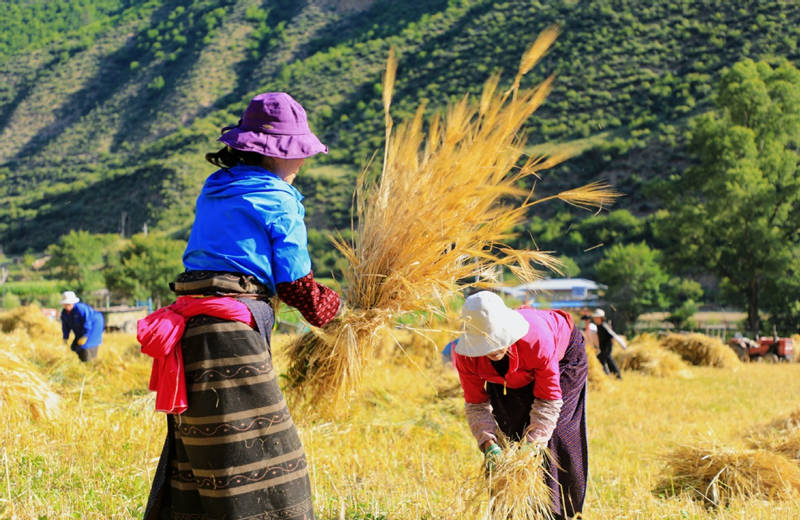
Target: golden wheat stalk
[[441, 212], [515, 489], [23, 392]]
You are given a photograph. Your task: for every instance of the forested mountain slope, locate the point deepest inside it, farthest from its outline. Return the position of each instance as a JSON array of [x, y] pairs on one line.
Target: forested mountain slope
[[106, 107]]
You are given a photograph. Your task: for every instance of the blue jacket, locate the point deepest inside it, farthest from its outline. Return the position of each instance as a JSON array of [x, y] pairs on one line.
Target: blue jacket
[[83, 320], [248, 220]]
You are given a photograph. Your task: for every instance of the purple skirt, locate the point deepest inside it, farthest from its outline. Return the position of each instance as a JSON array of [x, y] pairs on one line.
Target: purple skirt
[[569, 447]]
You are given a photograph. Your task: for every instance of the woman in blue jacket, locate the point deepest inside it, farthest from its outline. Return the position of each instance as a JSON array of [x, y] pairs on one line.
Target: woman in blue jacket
[[85, 323]]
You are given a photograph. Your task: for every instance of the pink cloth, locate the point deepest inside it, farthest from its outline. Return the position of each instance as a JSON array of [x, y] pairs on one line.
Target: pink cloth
[[534, 357], [160, 335]]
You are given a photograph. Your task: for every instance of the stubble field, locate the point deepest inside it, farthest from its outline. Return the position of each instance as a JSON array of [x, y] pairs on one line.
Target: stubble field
[[403, 452]]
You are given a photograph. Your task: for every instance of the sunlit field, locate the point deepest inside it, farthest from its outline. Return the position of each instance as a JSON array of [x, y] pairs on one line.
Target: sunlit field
[[404, 450]]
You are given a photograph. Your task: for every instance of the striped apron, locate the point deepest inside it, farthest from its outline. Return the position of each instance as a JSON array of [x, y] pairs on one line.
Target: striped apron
[[234, 454]]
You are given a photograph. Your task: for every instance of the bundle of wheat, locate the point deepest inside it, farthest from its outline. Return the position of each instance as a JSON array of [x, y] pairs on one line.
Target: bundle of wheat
[[516, 487], [645, 354], [787, 444], [31, 319], [796, 344], [597, 377], [23, 392], [716, 474], [43, 351], [702, 350], [786, 424], [440, 212], [780, 436]]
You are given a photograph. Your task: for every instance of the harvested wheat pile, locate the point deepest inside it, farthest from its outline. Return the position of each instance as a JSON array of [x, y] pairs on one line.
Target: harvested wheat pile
[[441, 212], [43, 351], [787, 444], [24, 393], [796, 345], [598, 379], [645, 354], [701, 350], [780, 436], [716, 474], [516, 487], [32, 320]]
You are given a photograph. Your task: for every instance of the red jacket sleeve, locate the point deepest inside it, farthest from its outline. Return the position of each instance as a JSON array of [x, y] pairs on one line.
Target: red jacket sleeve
[[318, 304]]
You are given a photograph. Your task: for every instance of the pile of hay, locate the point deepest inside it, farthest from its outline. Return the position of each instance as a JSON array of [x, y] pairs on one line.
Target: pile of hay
[[31, 336], [598, 379], [441, 212], [716, 475], [645, 354], [780, 436], [31, 319], [24, 393], [787, 444], [516, 487], [701, 350]]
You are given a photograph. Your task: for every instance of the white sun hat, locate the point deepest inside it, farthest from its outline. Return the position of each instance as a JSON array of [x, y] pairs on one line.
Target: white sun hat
[[599, 313], [489, 325], [68, 297]]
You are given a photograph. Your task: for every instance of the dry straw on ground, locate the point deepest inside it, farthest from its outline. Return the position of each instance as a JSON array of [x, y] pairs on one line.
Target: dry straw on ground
[[23, 392], [29, 318], [440, 212], [32, 336], [645, 354], [701, 350], [597, 377], [716, 475], [516, 487], [780, 436]]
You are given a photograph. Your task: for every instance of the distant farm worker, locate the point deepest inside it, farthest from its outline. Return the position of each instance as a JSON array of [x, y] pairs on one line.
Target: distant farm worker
[[85, 323], [232, 451], [524, 371], [601, 336]]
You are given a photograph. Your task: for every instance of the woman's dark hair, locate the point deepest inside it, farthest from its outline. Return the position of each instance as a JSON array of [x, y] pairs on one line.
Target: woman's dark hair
[[228, 157]]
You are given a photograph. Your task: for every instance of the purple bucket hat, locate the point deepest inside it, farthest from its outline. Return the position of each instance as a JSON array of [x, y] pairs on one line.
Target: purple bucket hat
[[275, 125]]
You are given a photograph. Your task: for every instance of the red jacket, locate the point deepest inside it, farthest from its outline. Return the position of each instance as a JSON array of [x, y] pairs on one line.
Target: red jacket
[[534, 357], [160, 334]]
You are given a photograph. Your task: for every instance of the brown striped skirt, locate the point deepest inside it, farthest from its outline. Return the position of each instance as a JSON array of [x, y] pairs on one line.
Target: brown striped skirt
[[234, 454]]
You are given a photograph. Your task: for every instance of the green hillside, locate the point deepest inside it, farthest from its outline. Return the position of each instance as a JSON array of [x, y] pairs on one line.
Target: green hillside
[[106, 107]]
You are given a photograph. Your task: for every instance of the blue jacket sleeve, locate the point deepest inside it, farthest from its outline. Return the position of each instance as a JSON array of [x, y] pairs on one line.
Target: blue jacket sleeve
[[290, 260], [82, 328]]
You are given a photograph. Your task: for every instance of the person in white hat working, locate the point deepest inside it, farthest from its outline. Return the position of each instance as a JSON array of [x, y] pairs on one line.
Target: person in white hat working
[[524, 371], [85, 323], [600, 335]]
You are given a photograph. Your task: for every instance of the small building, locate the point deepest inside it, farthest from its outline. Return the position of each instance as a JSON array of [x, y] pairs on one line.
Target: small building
[[558, 293]]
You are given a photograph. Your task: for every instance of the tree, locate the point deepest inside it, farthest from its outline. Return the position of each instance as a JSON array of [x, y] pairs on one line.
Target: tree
[[146, 267], [736, 211], [683, 295], [782, 299], [569, 268], [635, 281], [78, 258]]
